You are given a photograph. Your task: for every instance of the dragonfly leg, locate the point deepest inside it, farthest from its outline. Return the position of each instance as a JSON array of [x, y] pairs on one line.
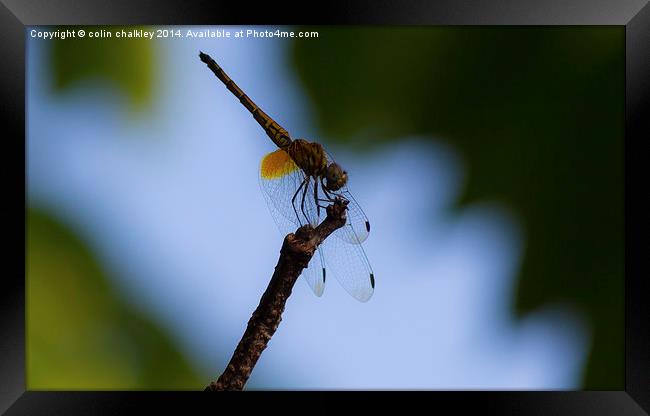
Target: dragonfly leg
[[293, 200], [316, 197], [302, 202], [327, 193]]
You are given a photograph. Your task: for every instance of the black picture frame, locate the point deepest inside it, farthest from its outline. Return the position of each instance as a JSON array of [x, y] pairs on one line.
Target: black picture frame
[[634, 15]]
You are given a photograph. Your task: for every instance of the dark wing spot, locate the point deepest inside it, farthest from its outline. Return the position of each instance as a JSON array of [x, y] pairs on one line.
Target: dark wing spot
[[368, 226], [323, 275], [372, 280]]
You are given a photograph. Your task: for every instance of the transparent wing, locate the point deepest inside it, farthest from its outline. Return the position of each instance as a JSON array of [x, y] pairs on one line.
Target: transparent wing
[[314, 274], [279, 180], [359, 226], [349, 264], [344, 256]]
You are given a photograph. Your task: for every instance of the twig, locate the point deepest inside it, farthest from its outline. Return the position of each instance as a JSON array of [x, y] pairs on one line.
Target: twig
[[296, 252]]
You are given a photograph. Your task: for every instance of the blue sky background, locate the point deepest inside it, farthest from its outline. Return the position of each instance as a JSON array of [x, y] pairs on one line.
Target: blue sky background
[[169, 200]]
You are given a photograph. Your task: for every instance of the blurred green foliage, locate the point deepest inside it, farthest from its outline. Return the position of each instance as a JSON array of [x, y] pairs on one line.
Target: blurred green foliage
[[537, 114], [80, 334], [127, 63]]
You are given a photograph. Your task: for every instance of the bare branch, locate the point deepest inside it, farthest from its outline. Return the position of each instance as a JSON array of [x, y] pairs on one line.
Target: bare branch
[[297, 250]]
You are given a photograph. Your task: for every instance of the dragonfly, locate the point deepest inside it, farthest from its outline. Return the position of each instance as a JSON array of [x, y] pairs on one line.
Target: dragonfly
[[298, 181]]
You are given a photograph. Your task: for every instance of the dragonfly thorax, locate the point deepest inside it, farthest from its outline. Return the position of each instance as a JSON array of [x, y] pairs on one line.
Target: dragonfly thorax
[[312, 159]]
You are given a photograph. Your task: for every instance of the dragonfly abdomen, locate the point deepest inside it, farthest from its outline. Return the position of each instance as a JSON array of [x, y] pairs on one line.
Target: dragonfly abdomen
[[276, 133]]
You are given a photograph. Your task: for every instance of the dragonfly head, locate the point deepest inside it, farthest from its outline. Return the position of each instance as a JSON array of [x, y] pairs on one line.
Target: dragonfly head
[[335, 177]]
